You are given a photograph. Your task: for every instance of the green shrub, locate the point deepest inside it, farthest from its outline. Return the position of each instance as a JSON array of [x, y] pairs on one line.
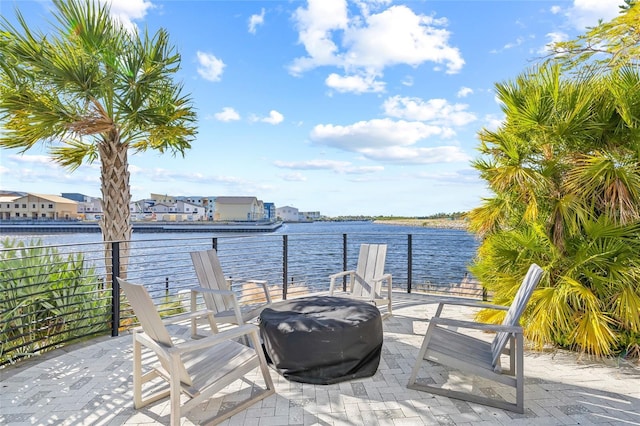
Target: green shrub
[[47, 299]]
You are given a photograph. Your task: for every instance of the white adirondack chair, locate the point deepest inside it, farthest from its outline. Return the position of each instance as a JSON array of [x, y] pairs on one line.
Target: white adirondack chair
[[196, 368], [462, 352], [210, 277], [365, 282]]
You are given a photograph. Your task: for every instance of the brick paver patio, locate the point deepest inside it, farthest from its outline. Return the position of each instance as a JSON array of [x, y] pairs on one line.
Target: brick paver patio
[[90, 384]]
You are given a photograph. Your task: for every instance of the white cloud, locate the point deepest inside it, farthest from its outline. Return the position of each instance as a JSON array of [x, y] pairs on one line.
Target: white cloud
[[210, 67], [399, 36], [434, 110], [553, 38], [361, 170], [274, 118], [294, 177], [492, 122], [341, 167], [457, 177], [386, 140], [27, 168], [126, 11], [255, 21], [417, 155], [370, 41], [315, 25], [377, 133], [516, 43], [464, 92], [354, 83], [586, 13], [40, 160], [407, 81], [312, 164], [227, 114]]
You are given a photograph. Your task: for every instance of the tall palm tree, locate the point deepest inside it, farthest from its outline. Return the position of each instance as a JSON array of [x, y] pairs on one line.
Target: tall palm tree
[[564, 168], [91, 89]]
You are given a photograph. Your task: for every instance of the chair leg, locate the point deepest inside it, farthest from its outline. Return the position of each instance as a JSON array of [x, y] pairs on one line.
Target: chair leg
[[519, 367], [174, 394], [137, 373], [263, 362], [420, 358]]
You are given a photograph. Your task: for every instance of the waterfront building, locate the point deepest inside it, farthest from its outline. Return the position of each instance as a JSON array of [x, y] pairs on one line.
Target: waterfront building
[[288, 214], [238, 209], [89, 208], [161, 207], [191, 211], [270, 211], [141, 209], [310, 216], [37, 207]]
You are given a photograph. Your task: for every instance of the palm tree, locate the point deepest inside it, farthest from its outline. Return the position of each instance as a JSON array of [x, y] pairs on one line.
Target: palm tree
[[91, 89], [564, 168]]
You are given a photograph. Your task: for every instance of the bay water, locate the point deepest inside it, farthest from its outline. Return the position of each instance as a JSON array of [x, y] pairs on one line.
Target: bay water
[[437, 256]]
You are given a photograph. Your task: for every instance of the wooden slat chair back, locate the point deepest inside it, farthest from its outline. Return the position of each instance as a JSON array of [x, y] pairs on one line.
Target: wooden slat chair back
[[365, 282], [514, 313], [446, 345], [199, 368], [211, 277]]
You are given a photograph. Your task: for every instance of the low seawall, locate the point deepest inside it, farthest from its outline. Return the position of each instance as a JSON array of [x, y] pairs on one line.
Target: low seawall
[[138, 227]]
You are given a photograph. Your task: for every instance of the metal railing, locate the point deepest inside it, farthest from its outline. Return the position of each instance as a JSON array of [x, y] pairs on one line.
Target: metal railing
[[52, 295]]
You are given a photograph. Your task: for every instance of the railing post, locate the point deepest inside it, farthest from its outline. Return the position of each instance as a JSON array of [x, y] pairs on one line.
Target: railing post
[[115, 288], [409, 261], [285, 265], [344, 261]]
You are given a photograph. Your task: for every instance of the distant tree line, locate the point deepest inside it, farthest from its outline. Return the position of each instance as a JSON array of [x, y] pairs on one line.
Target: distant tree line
[[455, 215]]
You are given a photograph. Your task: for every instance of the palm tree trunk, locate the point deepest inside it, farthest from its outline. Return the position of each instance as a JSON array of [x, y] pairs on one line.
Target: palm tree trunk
[[116, 197]]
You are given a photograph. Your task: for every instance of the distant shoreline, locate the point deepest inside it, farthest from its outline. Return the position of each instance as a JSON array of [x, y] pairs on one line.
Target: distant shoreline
[[426, 223], [12, 227]]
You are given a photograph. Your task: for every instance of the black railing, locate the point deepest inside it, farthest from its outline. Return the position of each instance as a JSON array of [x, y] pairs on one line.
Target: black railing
[[51, 299]]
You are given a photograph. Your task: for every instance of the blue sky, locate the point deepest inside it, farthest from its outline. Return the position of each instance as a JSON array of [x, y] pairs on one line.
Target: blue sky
[[363, 107]]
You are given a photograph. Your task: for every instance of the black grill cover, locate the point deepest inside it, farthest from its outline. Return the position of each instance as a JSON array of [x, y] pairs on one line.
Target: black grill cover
[[322, 339]]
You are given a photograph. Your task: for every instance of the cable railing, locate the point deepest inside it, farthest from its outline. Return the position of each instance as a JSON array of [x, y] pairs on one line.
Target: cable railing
[[53, 295]]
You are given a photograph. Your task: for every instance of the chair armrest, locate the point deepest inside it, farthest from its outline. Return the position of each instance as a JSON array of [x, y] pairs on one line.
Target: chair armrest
[[225, 293], [514, 329], [265, 287], [340, 274], [385, 277], [212, 291], [469, 303], [333, 277], [141, 336], [186, 316], [208, 341]]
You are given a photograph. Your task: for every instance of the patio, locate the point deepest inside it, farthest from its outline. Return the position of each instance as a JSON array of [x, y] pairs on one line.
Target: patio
[[90, 383]]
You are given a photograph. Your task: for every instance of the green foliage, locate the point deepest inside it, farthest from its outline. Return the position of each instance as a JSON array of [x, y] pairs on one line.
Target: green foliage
[[609, 44], [90, 89], [47, 299], [564, 168]]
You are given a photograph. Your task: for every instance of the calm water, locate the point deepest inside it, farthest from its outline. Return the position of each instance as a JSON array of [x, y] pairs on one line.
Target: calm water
[[439, 256]]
